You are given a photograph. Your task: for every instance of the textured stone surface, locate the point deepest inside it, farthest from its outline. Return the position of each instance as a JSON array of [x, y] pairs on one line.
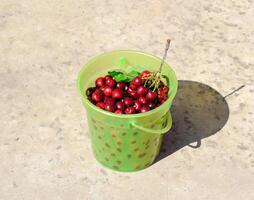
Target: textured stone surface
[[44, 142]]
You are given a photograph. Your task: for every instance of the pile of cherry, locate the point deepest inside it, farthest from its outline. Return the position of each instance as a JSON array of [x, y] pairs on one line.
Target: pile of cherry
[[126, 98]]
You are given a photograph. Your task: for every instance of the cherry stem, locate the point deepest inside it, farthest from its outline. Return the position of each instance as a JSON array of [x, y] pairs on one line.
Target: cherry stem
[[165, 54]]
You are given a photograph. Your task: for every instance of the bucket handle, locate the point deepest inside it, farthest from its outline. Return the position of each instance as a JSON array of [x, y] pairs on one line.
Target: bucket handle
[[156, 131]]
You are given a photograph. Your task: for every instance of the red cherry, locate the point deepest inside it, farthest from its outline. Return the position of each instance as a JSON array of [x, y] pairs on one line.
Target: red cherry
[[97, 96], [129, 110], [137, 105], [111, 82], [109, 101], [151, 105], [119, 112], [135, 95], [102, 88], [128, 101], [137, 81], [141, 90], [120, 105], [120, 85], [117, 94], [142, 100], [133, 86], [100, 82], [145, 73], [165, 89], [144, 109], [151, 95], [107, 91], [108, 77], [109, 107], [90, 91], [101, 105], [130, 90]]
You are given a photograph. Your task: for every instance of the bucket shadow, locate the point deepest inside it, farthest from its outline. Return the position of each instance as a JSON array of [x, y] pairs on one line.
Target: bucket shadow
[[198, 112]]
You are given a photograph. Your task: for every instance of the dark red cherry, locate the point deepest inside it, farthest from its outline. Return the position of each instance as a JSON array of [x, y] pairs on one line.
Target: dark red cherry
[[129, 110], [120, 105], [145, 73], [151, 95], [111, 82], [142, 100], [128, 101], [137, 81], [101, 105], [107, 91], [117, 94], [109, 107], [100, 82], [119, 112], [120, 85], [137, 105], [97, 96], [141, 90], [144, 109]]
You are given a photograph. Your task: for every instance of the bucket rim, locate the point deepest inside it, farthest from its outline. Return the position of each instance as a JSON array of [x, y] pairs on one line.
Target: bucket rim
[[125, 116]]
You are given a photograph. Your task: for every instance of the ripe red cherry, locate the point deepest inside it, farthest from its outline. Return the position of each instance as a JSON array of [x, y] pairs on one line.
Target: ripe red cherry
[[109, 107], [109, 101], [97, 96], [145, 73], [128, 101], [144, 109], [120, 105], [107, 91], [137, 105], [133, 86], [90, 91], [151, 95], [117, 94], [142, 100], [137, 81], [120, 85], [165, 89], [111, 82], [135, 95], [119, 112], [100, 82], [101, 105], [108, 77], [130, 90], [129, 110], [141, 90], [151, 105]]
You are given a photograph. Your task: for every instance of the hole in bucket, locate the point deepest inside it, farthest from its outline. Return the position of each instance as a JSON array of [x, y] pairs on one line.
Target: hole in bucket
[[133, 142], [135, 133], [119, 162], [107, 145], [115, 167], [141, 155]]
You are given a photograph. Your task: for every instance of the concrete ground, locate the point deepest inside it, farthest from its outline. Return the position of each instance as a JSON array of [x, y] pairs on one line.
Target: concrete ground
[[45, 150]]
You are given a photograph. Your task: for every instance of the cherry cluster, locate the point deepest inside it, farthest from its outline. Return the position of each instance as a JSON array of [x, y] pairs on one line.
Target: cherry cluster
[[126, 98]]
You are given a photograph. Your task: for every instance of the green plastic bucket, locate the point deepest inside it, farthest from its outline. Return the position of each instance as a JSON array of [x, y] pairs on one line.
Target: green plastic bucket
[[126, 142]]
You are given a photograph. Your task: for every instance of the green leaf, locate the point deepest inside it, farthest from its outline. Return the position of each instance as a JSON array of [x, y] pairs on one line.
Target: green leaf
[[167, 79], [120, 76], [114, 73], [132, 74]]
